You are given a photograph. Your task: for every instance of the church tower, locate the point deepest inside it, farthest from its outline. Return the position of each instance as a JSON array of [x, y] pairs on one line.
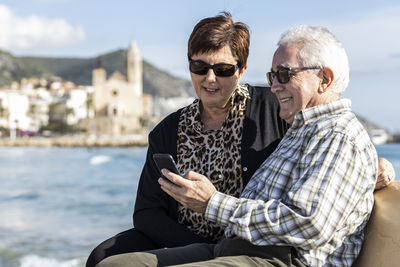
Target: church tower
[[119, 102], [99, 74], [135, 68]]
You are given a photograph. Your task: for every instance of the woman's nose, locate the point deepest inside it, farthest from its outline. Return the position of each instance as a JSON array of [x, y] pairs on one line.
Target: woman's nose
[[210, 76]]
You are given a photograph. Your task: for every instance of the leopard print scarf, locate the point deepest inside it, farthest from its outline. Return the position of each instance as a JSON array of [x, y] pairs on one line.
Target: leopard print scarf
[[214, 154]]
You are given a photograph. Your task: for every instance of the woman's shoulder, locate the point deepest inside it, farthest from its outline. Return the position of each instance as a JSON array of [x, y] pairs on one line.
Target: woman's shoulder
[[169, 123], [262, 95], [260, 91], [164, 135]]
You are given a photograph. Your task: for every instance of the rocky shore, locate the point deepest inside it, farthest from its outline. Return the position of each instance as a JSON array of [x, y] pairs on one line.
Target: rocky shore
[[78, 141]]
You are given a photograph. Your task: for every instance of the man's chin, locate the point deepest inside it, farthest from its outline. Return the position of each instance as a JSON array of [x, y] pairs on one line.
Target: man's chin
[[287, 117]]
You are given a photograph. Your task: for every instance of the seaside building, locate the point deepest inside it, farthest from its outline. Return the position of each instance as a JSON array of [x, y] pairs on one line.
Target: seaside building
[[14, 109], [76, 105], [38, 111], [119, 103]]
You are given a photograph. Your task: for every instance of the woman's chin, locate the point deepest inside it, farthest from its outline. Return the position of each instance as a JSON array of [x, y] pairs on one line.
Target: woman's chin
[[210, 99]]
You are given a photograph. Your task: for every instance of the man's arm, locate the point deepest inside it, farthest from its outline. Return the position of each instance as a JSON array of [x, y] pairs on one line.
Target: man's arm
[[195, 191], [329, 183]]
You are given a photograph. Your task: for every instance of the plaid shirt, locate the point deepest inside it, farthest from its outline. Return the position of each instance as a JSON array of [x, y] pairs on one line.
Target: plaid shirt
[[315, 191]]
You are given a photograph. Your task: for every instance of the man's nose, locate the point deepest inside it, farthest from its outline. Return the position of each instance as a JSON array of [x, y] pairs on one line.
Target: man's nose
[[276, 86]]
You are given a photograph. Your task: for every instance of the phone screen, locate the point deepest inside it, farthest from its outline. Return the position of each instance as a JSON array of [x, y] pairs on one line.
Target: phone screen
[[165, 161]]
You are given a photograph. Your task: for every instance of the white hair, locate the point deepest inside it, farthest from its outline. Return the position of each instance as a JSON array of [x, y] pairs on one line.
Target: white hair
[[320, 48]]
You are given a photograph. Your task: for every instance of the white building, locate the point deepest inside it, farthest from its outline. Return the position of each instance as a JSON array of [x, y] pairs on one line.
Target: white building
[[38, 112], [77, 103], [15, 106]]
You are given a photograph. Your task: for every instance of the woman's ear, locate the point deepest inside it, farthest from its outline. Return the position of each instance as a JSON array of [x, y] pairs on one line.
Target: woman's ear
[[243, 70], [326, 79]]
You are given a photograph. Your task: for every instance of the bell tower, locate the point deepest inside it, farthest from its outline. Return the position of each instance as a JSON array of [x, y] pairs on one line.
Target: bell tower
[[135, 68], [98, 74]]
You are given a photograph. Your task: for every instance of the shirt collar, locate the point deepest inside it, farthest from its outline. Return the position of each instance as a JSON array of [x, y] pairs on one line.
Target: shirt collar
[[310, 114], [238, 105]]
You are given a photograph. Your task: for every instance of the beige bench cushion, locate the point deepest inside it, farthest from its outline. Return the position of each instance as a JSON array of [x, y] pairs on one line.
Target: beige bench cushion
[[381, 246]]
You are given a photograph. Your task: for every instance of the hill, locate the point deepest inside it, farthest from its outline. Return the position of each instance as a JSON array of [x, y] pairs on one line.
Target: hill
[[79, 70]]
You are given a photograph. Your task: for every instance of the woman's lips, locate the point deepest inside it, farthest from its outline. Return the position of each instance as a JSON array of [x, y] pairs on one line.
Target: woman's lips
[[210, 90]]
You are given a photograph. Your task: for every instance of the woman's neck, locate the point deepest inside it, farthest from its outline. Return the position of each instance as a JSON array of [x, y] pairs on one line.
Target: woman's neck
[[213, 118]]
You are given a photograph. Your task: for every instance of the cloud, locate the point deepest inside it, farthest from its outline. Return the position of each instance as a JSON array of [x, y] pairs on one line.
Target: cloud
[[372, 40], [34, 32]]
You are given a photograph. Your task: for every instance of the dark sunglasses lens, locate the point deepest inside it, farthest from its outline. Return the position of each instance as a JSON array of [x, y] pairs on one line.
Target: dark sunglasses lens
[[283, 75], [270, 77], [199, 67], [224, 70]]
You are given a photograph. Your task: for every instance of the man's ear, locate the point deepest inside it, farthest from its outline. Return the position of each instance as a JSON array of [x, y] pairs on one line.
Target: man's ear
[[326, 79]]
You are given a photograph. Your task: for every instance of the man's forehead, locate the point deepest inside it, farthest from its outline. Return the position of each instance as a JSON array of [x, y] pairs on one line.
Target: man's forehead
[[285, 57]]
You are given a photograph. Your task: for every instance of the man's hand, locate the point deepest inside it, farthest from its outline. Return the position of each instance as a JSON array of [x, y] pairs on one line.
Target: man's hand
[[193, 191], [386, 173]]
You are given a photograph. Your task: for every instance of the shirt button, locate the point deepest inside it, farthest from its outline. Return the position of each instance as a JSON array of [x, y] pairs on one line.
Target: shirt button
[[245, 169]]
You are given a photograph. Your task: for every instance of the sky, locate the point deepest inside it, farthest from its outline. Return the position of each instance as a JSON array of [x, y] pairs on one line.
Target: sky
[[369, 31]]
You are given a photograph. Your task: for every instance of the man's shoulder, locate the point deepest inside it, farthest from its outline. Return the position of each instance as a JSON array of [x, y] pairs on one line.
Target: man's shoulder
[[348, 124], [344, 124]]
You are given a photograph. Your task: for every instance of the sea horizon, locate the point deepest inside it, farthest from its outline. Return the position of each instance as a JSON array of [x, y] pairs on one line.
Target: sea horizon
[[58, 203]]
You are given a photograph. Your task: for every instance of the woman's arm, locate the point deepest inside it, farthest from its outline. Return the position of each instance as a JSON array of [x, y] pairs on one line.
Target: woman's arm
[[155, 212], [386, 173]]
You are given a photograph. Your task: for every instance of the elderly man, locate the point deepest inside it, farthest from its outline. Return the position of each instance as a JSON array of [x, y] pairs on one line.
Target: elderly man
[[308, 203]]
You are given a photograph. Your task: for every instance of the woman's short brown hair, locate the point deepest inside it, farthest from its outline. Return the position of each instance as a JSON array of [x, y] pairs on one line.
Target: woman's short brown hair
[[212, 34]]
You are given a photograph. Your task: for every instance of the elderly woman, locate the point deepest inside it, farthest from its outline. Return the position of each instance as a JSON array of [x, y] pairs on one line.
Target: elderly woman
[[225, 135]]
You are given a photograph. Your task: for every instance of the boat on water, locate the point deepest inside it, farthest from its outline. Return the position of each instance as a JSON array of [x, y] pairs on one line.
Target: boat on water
[[379, 136]]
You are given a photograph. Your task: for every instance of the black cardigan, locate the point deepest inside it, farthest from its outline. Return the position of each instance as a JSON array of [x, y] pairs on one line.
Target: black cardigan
[[155, 212]]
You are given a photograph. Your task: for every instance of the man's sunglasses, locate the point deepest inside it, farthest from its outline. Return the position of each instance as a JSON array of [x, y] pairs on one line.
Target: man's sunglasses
[[283, 74], [200, 67]]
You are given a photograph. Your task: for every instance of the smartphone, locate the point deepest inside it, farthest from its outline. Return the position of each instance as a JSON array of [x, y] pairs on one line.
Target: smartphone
[[165, 161]]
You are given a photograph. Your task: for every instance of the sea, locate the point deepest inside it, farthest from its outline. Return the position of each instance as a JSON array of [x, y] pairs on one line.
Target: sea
[[57, 204]]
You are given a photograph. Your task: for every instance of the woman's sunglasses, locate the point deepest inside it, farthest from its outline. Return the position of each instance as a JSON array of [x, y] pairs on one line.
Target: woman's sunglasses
[[283, 74], [200, 67]]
